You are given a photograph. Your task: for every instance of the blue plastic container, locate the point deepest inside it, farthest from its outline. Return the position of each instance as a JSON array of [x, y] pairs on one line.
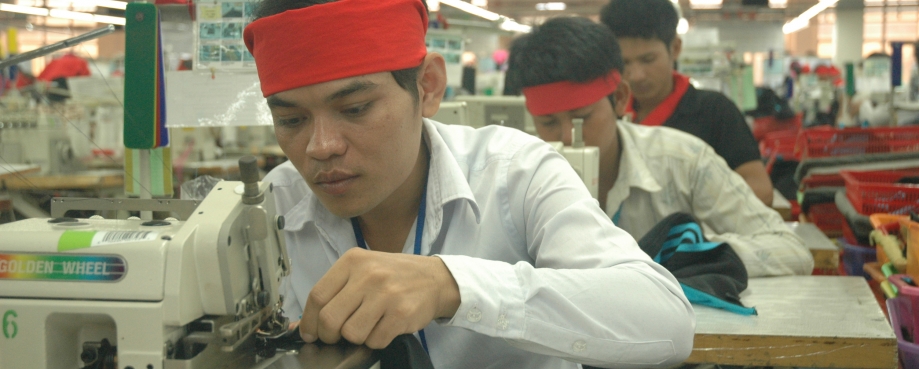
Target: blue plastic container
[[855, 256]]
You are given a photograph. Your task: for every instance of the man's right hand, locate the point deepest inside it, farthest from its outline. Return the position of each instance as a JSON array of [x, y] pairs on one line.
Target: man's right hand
[[370, 297]]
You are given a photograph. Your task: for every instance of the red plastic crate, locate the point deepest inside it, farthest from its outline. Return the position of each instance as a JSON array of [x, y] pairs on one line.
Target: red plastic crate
[[826, 217], [768, 124], [822, 180], [779, 143], [819, 143], [877, 191]]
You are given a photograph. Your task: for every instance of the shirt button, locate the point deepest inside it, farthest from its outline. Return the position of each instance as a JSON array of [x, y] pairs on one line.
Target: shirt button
[[474, 315], [579, 346]]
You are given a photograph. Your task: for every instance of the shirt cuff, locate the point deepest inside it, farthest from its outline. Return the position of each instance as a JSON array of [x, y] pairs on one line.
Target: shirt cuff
[[491, 299]]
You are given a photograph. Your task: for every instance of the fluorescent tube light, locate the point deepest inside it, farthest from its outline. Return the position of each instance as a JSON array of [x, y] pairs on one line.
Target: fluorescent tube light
[[59, 13], [705, 4], [803, 20], [554, 6], [511, 25], [472, 9], [23, 9]]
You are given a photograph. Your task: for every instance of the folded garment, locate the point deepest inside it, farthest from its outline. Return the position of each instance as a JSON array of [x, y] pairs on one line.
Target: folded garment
[[710, 273]]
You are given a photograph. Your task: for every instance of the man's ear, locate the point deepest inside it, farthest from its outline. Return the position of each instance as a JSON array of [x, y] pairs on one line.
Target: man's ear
[[621, 96], [432, 83], [676, 47]]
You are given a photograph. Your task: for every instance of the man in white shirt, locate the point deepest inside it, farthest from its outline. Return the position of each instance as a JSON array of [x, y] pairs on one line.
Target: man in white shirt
[[514, 265], [569, 68]]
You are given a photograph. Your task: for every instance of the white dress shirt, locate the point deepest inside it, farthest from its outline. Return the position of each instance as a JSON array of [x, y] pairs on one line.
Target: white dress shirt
[[663, 171], [545, 277]]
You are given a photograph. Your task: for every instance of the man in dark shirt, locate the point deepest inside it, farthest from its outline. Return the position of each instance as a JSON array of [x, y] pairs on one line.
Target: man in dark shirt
[[646, 30]]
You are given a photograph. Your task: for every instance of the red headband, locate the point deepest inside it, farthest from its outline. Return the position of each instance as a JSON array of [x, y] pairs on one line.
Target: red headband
[[336, 40], [555, 97]]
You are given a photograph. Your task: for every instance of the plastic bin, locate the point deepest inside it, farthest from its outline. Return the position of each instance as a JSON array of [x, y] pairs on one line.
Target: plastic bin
[[763, 126], [902, 323], [827, 217], [877, 191], [779, 143], [876, 221], [854, 258], [820, 143], [822, 180]]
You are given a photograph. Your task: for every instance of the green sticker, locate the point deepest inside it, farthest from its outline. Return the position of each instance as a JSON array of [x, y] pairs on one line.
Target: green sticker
[[72, 240]]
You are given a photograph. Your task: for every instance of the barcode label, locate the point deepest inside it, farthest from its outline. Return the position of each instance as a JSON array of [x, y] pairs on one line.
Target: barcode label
[[112, 237]]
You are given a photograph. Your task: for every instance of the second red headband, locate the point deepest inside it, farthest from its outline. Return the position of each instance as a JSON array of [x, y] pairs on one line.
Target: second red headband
[[561, 96]]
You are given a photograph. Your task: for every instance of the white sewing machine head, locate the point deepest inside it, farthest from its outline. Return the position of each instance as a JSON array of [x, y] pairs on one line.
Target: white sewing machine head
[[100, 293]]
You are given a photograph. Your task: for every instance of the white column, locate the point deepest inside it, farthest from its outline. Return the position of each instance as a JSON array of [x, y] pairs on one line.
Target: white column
[[848, 32]]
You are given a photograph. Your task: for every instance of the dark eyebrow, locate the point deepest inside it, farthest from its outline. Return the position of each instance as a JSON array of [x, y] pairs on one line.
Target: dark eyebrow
[[279, 102], [354, 87]]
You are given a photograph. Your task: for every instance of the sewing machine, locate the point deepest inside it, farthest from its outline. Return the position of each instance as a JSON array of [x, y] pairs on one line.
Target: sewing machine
[[507, 111], [106, 293], [36, 136], [584, 159]]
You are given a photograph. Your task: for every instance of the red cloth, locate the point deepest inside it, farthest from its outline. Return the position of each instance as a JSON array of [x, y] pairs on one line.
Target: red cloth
[[562, 96], [66, 66], [336, 40], [665, 109]]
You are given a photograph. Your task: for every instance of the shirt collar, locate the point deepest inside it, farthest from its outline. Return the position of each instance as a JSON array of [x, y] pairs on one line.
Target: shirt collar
[[446, 183], [633, 170]]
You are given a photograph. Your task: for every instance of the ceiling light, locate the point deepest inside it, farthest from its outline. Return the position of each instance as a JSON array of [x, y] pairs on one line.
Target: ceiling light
[[511, 25], [480, 3], [778, 3], [705, 4], [472, 9], [554, 6], [121, 5], [60, 13], [23, 9], [803, 20], [433, 5], [66, 14], [682, 26], [75, 4]]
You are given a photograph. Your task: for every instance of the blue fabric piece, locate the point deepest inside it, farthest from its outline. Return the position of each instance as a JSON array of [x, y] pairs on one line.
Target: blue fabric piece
[[698, 297], [689, 232]]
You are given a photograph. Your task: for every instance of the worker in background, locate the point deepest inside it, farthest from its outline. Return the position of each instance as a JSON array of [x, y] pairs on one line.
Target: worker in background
[[484, 242], [56, 73], [646, 30], [569, 68]]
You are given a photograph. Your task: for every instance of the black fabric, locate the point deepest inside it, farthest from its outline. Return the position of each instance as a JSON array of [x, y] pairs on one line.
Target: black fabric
[[783, 178], [405, 352], [769, 104], [710, 116], [718, 272]]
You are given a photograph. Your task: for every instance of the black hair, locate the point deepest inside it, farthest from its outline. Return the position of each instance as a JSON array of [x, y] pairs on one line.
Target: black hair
[[405, 78], [563, 49], [647, 19]]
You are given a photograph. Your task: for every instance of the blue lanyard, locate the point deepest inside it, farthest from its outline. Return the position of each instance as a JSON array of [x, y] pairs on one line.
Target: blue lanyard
[[419, 230]]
